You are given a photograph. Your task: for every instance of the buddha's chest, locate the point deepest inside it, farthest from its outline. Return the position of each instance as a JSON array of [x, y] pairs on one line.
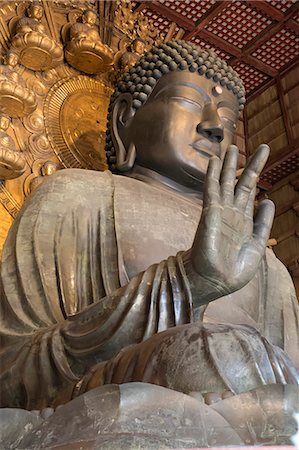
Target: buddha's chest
[[151, 224]]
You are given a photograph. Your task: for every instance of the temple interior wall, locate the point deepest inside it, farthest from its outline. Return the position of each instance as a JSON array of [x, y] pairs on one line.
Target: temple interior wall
[[273, 118]]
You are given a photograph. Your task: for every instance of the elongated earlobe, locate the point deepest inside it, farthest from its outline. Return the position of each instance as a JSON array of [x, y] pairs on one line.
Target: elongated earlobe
[[121, 115], [127, 164]]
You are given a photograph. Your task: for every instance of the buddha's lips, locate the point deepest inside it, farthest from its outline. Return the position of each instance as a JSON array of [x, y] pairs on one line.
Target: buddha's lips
[[206, 148]]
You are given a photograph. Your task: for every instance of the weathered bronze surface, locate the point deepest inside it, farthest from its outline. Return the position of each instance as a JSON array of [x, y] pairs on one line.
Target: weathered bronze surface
[[108, 279]]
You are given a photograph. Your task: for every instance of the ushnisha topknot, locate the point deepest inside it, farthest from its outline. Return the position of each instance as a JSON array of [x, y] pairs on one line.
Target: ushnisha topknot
[[171, 56]]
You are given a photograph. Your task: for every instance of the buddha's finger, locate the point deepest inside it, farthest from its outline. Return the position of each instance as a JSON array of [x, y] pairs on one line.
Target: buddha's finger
[[250, 176], [249, 210], [263, 223], [228, 174], [211, 191]]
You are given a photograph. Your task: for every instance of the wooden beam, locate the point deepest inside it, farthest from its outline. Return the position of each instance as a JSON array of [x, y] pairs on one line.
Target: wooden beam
[[289, 206], [206, 18], [285, 117], [293, 25], [287, 234], [170, 14], [259, 65], [286, 180], [220, 43], [267, 83], [268, 9], [139, 7], [263, 184], [284, 155]]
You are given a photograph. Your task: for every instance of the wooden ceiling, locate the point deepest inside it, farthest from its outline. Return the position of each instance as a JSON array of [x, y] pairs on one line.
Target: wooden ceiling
[[260, 39]]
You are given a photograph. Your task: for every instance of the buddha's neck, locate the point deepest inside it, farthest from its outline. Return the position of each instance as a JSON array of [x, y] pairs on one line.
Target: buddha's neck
[[161, 181]]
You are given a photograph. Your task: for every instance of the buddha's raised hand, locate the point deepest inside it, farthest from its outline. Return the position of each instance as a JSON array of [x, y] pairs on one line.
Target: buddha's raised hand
[[229, 242]]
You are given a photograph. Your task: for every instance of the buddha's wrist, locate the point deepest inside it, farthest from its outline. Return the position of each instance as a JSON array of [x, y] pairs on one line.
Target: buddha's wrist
[[203, 288]]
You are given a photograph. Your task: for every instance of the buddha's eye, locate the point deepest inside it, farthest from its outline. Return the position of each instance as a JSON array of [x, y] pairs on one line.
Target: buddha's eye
[[227, 117], [188, 103], [228, 123]]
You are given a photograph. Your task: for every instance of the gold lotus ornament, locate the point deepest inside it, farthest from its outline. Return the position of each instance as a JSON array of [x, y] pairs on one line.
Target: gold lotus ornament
[[85, 51], [12, 162], [35, 49], [15, 99]]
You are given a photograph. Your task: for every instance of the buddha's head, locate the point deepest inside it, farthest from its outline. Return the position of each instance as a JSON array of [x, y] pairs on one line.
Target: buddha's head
[[49, 168], [138, 46], [12, 59], [35, 11], [4, 122], [172, 111], [89, 17]]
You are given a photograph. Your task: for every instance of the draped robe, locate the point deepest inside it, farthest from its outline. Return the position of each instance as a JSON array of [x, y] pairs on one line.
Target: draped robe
[[89, 268]]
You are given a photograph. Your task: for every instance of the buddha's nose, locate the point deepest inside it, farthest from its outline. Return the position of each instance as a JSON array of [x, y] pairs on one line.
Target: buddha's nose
[[210, 125]]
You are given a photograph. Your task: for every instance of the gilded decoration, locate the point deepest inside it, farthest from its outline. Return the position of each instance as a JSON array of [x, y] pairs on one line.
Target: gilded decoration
[[135, 24], [35, 49], [75, 115], [128, 55], [15, 99], [85, 51], [12, 163], [40, 169]]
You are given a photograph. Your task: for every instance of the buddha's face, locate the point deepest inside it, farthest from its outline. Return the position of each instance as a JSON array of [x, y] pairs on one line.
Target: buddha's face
[[186, 119], [90, 18], [4, 123], [49, 168], [12, 60], [138, 47], [36, 12]]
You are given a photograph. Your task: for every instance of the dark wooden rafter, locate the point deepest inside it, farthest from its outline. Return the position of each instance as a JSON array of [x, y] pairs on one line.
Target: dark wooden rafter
[[283, 156], [206, 18], [284, 113], [220, 43], [170, 14], [259, 65], [267, 8], [265, 185]]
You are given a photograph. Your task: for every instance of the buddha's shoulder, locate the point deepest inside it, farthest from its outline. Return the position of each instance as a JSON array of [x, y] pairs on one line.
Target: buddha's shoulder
[[75, 181]]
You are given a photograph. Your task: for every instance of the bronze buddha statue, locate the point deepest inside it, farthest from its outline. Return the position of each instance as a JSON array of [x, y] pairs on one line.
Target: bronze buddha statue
[[157, 274]]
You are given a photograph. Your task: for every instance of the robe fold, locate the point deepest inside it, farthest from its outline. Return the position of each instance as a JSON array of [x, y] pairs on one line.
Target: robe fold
[[63, 309]]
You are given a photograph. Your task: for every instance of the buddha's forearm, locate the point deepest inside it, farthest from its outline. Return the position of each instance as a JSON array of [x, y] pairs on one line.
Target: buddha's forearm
[[153, 301], [44, 366]]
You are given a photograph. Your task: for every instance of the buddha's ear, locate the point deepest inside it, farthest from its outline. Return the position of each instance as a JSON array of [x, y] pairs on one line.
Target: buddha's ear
[[122, 114]]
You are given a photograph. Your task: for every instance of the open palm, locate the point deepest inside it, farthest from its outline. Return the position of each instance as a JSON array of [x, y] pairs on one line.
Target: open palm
[[229, 242]]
